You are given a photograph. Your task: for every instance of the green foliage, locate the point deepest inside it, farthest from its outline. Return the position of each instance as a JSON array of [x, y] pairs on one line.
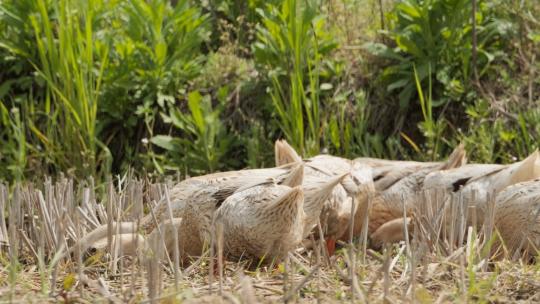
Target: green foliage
[[68, 64], [95, 87], [487, 140], [155, 53], [431, 128], [205, 141], [13, 148], [71, 62], [290, 44], [99, 73], [429, 44], [435, 36], [236, 18]]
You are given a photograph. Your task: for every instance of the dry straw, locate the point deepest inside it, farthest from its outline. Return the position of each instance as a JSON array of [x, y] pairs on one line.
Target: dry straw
[[442, 258]]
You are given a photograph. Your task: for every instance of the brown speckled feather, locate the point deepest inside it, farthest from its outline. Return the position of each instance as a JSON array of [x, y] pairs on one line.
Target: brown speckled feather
[[263, 221], [517, 216]]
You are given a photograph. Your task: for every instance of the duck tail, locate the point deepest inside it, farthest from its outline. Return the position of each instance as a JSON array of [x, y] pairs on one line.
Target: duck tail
[[295, 176], [360, 180], [527, 169], [457, 159], [285, 153], [288, 204], [317, 194]]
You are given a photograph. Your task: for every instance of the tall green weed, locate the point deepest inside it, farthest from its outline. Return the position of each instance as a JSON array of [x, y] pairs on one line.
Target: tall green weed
[[156, 52], [204, 141], [436, 37], [291, 43]]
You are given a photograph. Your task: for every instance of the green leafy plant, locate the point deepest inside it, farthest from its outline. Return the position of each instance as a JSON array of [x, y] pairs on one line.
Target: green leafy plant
[[292, 42], [432, 128], [92, 77], [85, 84], [13, 150], [204, 141], [435, 36], [60, 70], [156, 51], [494, 140]]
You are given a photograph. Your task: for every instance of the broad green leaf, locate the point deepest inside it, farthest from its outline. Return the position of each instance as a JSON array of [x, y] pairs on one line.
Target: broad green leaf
[[507, 136], [161, 52], [334, 132], [379, 49], [408, 11], [405, 95], [398, 84], [534, 37], [194, 104], [408, 46], [4, 87], [164, 141]]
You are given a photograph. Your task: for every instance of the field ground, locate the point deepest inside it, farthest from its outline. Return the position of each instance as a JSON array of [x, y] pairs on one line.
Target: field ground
[[380, 279], [441, 273]]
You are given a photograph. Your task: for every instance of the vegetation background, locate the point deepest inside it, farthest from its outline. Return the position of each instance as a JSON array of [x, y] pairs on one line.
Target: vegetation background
[[94, 87]]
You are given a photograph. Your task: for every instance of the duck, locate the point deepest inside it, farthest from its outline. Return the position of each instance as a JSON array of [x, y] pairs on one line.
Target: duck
[[346, 197], [263, 222], [386, 216], [318, 191], [388, 172], [192, 204], [334, 212], [196, 199], [267, 220], [517, 218], [474, 184], [388, 181]]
